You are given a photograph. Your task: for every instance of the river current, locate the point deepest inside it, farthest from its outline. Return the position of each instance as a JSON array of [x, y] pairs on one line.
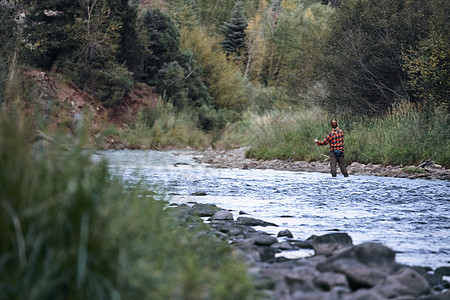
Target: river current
[[410, 216]]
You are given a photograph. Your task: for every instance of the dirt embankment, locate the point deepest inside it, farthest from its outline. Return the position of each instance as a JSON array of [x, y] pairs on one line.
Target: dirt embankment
[[59, 101]]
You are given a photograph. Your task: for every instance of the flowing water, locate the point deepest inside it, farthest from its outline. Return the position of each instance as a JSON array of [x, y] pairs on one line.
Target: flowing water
[[410, 216]]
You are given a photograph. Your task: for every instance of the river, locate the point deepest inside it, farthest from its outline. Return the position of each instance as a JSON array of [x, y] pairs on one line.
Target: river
[[410, 216]]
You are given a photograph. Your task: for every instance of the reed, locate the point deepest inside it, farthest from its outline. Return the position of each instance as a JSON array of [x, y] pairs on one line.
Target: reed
[[70, 230]]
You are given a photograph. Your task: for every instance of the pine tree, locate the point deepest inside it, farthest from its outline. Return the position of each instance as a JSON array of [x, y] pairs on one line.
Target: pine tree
[[234, 32], [162, 42]]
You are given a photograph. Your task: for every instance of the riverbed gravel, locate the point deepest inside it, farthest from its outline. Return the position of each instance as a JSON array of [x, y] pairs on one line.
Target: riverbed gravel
[[235, 158]]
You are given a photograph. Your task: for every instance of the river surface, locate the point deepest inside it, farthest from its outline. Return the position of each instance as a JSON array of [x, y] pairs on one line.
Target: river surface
[[410, 216]]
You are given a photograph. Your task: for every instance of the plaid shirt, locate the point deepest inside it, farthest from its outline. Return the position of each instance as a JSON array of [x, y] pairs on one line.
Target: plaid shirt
[[336, 140]]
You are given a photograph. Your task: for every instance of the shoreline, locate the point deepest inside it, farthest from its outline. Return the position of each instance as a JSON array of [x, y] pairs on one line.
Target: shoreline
[[337, 268], [235, 158]]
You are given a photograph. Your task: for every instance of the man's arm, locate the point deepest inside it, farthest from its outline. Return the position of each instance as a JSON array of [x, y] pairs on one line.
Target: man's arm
[[326, 141]]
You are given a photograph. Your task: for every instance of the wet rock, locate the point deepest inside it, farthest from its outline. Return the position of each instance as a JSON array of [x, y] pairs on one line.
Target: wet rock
[[286, 233], [405, 282], [199, 193], [254, 222], [444, 271], [204, 210], [222, 215], [329, 243]]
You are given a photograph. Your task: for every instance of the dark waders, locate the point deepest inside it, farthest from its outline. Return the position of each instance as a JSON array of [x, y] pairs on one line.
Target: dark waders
[[338, 159]]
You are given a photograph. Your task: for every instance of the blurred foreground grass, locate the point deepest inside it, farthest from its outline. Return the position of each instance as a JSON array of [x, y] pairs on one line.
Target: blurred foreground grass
[[69, 230]]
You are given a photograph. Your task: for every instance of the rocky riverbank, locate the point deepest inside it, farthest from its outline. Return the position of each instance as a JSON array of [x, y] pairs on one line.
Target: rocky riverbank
[[334, 269], [235, 158]]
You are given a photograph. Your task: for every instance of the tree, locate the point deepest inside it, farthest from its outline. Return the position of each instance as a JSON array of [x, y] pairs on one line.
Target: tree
[[223, 78], [162, 43], [81, 40], [130, 50], [257, 32], [294, 47], [50, 32], [234, 31], [364, 52]]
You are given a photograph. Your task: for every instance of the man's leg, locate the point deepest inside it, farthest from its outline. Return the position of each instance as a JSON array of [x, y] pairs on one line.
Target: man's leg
[[333, 162], [342, 165]]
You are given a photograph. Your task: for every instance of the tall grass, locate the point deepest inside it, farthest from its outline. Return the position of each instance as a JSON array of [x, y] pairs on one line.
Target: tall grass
[[287, 134], [405, 136], [162, 127], [69, 230]]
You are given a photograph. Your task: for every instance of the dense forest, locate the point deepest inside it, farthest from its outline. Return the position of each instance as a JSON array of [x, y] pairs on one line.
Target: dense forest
[[232, 70]]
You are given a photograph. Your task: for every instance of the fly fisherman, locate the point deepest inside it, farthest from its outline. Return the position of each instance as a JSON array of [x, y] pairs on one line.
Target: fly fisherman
[[336, 140]]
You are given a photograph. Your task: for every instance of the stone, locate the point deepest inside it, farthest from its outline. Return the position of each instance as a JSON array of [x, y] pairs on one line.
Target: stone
[[286, 233], [204, 210], [300, 279], [358, 274], [364, 265], [249, 221], [222, 215], [265, 240], [283, 246], [444, 271], [364, 294], [199, 193], [329, 280], [405, 282], [331, 242], [371, 254]]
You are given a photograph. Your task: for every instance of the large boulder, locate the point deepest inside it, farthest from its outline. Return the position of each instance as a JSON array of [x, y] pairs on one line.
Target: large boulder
[[285, 233], [364, 265], [329, 280], [405, 282], [222, 215], [329, 243], [204, 210]]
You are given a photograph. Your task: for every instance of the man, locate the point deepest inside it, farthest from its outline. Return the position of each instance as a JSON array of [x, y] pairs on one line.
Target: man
[[336, 140]]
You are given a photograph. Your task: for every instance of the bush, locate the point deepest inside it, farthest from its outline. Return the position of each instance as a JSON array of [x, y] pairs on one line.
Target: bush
[[111, 86]]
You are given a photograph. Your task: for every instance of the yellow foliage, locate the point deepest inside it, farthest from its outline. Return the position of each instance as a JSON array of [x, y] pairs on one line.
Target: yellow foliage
[[309, 14], [289, 5], [222, 76]]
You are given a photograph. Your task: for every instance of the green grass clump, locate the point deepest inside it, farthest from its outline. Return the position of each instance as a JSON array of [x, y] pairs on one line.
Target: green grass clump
[[412, 170], [160, 127], [288, 135], [69, 230], [406, 136]]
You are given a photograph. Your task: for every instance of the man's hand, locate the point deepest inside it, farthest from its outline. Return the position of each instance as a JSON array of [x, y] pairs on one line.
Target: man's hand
[[316, 141]]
